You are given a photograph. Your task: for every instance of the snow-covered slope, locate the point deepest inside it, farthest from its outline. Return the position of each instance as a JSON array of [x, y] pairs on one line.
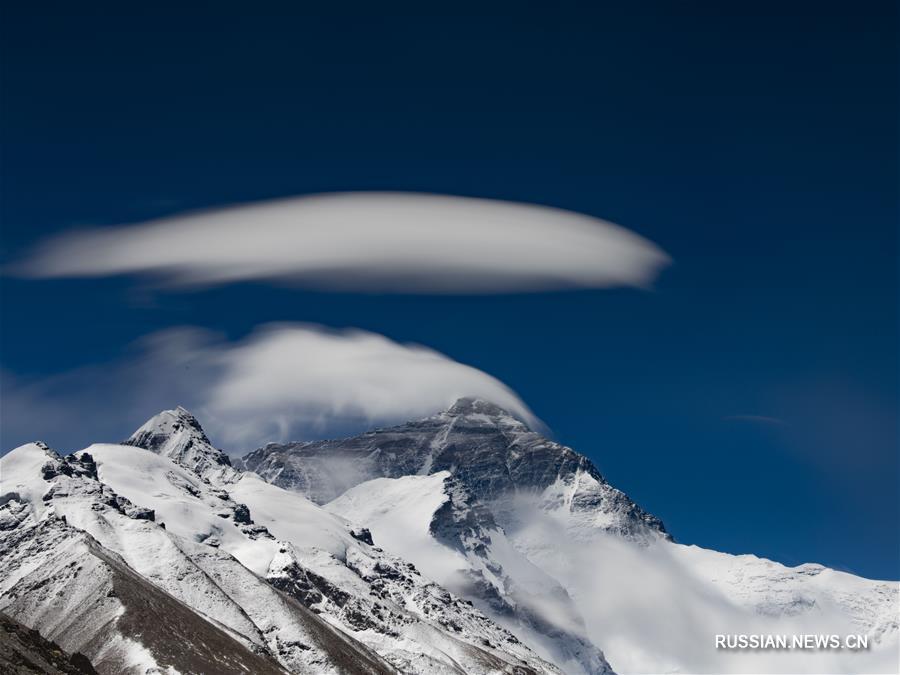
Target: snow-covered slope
[[310, 595], [314, 555], [657, 606], [434, 522], [650, 604], [63, 539]]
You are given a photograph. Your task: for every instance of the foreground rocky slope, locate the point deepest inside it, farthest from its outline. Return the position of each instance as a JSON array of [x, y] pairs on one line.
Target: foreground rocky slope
[[23, 651]]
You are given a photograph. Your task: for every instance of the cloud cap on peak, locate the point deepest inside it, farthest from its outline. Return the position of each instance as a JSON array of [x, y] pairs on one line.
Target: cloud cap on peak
[[363, 242], [297, 375], [284, 381]]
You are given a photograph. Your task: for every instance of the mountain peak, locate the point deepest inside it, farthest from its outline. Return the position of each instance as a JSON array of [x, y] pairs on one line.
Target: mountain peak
[[470, 405], [34, 448], [179, 416], [483, 413], [487, 448], [177, 434]]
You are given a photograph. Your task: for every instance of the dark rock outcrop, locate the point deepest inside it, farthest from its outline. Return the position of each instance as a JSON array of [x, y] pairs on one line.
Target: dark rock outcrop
[[24, 650]]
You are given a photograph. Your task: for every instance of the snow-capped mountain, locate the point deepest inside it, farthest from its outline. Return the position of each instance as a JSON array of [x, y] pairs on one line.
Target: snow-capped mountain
[[461, 543], [99, 575], [513, 513], [257, 579]]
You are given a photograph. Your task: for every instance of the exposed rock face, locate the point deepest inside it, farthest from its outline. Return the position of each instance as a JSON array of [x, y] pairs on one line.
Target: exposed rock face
[[362, 534], [24, 651], [462, 522], [488, 450]]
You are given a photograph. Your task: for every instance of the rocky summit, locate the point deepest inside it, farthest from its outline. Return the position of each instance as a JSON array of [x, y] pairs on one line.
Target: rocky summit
[[487, 449]]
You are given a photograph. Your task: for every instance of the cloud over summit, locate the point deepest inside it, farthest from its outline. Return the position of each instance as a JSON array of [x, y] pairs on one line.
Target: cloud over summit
[[282, 382], [364, 241]]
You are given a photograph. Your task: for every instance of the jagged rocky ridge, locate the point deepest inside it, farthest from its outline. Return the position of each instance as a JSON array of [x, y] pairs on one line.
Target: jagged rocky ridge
[[262, 580]]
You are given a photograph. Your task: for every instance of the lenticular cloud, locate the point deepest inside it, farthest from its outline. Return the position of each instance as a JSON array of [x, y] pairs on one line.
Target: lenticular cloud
[[370, 242]]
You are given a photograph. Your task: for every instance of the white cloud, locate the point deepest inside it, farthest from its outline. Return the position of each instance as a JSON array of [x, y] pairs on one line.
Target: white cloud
[[370, 242], [283, 382], [287, 376]]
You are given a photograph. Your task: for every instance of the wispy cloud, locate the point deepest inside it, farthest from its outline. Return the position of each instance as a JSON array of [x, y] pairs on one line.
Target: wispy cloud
[[284, 381], [369, 242]]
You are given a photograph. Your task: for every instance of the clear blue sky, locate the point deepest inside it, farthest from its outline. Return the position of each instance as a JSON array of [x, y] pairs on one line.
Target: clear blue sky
[[755, 142]]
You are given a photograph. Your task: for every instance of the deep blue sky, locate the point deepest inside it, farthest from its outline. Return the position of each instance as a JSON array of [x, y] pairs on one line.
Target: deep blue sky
[[757, 143]]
